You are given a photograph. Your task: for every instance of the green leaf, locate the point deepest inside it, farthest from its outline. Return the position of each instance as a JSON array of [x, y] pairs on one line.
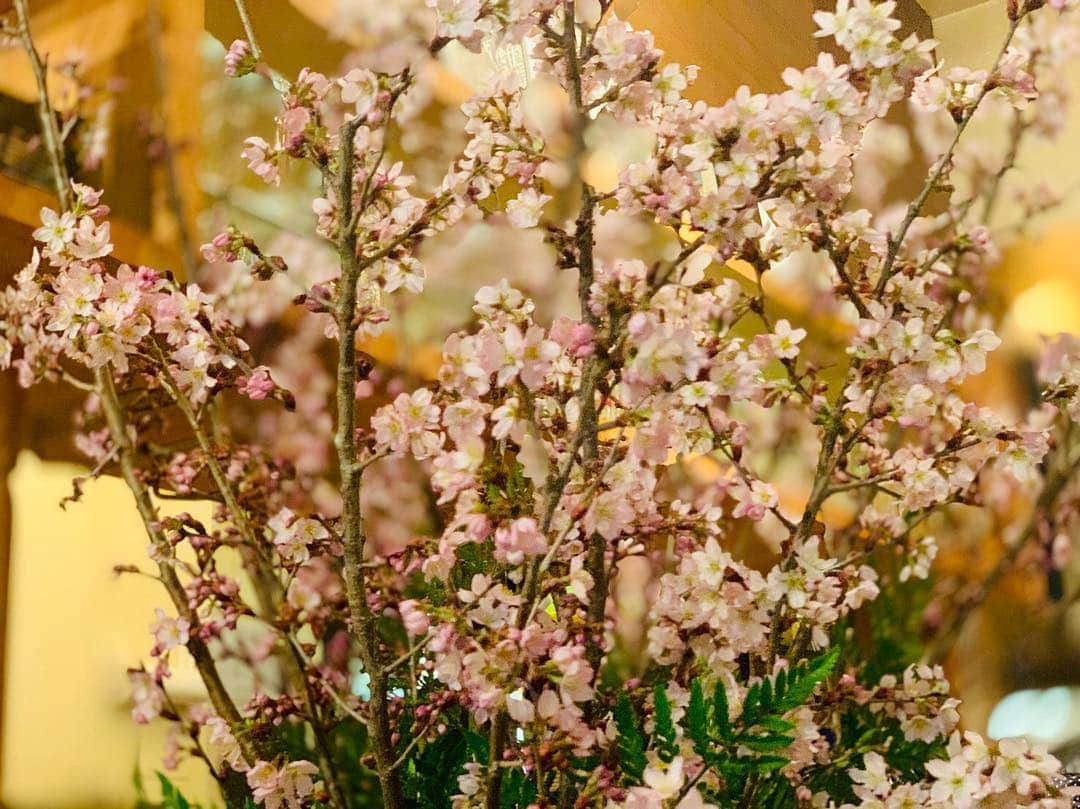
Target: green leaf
[[721, 722], [805, 678], [781, 684], [517, 790], [765, 696], [752, 708], [776, 724], [767, 743], [770, 763], [667, 737], [141, 800], [697, 718], [170, 795], [630, 743]]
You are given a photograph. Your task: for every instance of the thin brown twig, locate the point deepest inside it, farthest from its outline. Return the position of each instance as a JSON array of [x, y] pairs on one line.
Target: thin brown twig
[[235, 788], [50, 132], [267, 584], [916, 206], [1055, 485]]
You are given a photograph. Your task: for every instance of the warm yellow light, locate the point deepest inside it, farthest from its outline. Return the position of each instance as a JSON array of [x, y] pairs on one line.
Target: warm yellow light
[[74, 628], [601, 171], [1048, 307]]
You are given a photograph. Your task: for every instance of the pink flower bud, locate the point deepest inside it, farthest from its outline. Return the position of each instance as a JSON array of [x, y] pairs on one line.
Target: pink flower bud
[[416, 621], [257, 386], [239, 60]]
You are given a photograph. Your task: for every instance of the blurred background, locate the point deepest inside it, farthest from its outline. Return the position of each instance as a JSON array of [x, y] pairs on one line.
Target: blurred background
[[173, 126]]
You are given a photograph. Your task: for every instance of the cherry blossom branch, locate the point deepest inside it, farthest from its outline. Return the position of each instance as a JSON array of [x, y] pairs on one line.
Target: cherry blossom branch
[[192, 730], [235, 788], [302, 655], [584, 240], [50, 132], [362, 619], [586, 435], [1055, 485], [840, 259], [204, 661], [532, 599], [916, 206], [350, 470], [266, 583], [743, 473]]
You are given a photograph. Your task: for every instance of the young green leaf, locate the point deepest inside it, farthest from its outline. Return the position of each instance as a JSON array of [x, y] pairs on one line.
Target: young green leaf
[[170, 795], [630, 743], [697, 718], [803, 680], [667, 739], [721, 722]]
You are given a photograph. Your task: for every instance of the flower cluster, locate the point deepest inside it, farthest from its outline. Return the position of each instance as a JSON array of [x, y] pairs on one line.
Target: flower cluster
[[630, 552], [73, 306], [976, 774]]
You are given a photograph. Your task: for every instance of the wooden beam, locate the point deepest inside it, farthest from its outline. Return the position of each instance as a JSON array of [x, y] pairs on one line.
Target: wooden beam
[[97, 31], [20, 214], [939, 8], [181, 63], [744, 41], [290, 37], [734, 42]]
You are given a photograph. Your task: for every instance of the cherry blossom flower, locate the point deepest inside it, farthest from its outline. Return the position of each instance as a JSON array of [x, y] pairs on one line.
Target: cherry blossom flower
[[621, 473], [286, 787], [146, 696], [169, 633], [524, 210]]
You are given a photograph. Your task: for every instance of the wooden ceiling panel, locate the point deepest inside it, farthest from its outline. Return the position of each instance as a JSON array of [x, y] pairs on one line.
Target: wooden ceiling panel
[[939, 8], [96, 31]]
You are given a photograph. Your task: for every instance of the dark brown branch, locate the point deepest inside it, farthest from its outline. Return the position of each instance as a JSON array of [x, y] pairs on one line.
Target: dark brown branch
[[362, 620]]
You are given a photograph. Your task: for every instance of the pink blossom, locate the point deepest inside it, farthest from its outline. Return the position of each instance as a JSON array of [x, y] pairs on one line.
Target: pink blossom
[[169, 633], [238, 59], [286, 787], [411, 422], [754, 501], [524, 210], [416, 620], [785, 340], [293, 538], [522, 538], [223, 745], [147, 697], [257, 386], [261, 160], [575, 337]]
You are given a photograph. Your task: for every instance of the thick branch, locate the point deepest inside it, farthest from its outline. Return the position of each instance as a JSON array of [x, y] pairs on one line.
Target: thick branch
[[362, 619], [586, 438], [204, 661]]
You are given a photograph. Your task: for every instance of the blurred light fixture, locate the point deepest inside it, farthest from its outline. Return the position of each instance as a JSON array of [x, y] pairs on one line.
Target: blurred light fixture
[[1045, 715]]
